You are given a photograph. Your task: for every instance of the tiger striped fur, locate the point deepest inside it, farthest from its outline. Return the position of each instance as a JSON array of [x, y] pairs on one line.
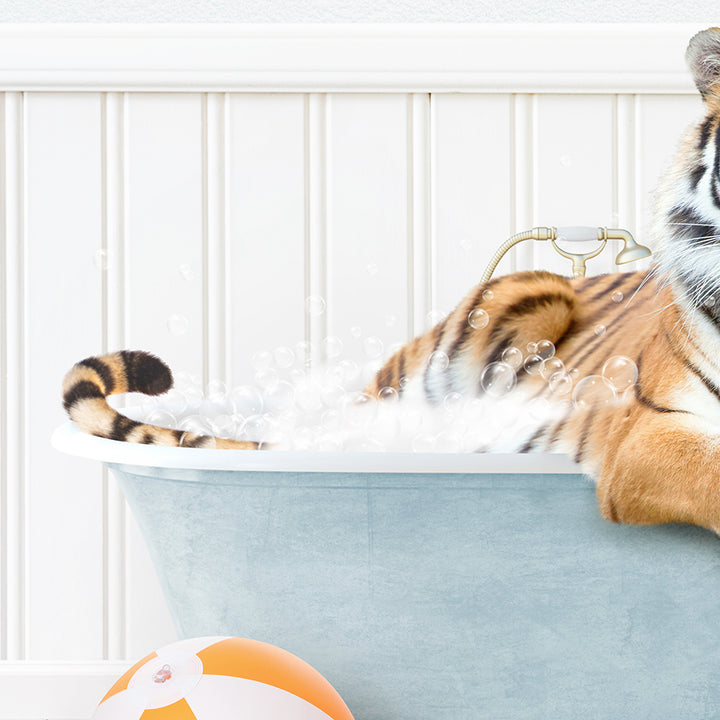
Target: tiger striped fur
[[89, 382], [655, 453]]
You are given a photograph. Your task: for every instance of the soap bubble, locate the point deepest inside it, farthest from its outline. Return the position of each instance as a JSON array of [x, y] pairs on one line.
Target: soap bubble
[[356, 331], [331, 395], [447, 441], [488, 295], [478, 319], [314, 305], [178, 324], [498, 379], [267, 379], [225, 426], [363, 445], [359, 408], [190, 439], [474, 411], [539, 408], [373, 347], [439, 361], [187, 272], [246, 400], [254, 428], [193, 394], [388, 394], [296, 376], [566, 161], [304, 352], [560, 383], [532, 364], [617, 296], [545, 349], [390, 320], [194, 427], [512, 356], [176, 401], [261, 360], [100, 259], [600, 330], [307, 396], [284, 357], [423, 442], [331, 419], [281, 396], [327, 442], [216, 391], [303, 439], [161, 418], [453, 402], [333, 346], [333, 375], [551, 366], [372, 269], [196, 424], [593, 391], [620, 371], [532, 348], [384, 428], [350, 371]]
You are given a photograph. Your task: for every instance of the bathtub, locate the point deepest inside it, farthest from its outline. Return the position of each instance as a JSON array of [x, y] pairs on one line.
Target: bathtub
[[432, 587]]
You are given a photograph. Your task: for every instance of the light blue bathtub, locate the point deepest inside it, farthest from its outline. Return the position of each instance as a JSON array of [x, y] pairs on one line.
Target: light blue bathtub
[[432, 587]]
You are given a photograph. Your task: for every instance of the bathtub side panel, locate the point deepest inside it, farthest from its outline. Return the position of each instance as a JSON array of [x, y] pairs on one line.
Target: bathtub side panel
[[445, 597]]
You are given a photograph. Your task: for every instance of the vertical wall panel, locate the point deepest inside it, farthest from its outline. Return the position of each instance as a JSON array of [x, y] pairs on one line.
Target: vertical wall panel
[[522, 193], [3, 385], [164, 271], [472, 188], [368, 234], [214, 221], [267, 224], [316, 219], [13, 380], [422, 285], [63, 323], [573, 181], [112, 263], [660, 120], [148, 623], [164, 263]]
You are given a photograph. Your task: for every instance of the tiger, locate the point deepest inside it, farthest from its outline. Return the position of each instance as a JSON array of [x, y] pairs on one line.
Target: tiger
[[653, 451]]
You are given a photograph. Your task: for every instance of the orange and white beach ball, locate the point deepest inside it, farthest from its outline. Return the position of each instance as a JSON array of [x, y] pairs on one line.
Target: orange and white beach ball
[[222, 678]]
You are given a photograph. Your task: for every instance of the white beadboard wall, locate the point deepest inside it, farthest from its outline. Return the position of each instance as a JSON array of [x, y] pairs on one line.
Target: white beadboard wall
[[211, 178]]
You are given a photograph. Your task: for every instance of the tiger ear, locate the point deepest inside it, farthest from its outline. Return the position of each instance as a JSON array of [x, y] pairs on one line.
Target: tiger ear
[[703, 57]]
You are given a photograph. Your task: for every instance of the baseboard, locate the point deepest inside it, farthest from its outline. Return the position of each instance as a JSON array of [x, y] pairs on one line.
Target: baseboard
[[54, 691]]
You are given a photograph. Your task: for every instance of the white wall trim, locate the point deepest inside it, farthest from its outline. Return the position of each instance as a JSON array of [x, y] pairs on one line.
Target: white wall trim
[[563, 58], [54, 691]]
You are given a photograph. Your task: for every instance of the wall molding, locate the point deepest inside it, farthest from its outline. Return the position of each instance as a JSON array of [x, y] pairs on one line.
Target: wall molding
[[550, 58]]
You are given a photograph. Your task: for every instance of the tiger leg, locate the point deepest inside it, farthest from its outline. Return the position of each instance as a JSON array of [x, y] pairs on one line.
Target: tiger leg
[[662, 470]]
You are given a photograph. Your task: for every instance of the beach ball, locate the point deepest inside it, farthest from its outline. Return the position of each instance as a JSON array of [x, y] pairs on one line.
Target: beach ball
[[222, 678]]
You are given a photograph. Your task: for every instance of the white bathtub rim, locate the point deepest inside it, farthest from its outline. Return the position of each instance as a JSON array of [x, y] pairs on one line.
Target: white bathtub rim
[[69, 439]]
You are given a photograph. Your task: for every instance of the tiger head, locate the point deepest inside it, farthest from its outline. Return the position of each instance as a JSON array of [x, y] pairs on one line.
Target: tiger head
[[686, 228]]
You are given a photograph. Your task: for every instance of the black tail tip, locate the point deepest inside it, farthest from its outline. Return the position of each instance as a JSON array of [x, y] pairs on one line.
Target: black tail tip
[[147, 373]]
